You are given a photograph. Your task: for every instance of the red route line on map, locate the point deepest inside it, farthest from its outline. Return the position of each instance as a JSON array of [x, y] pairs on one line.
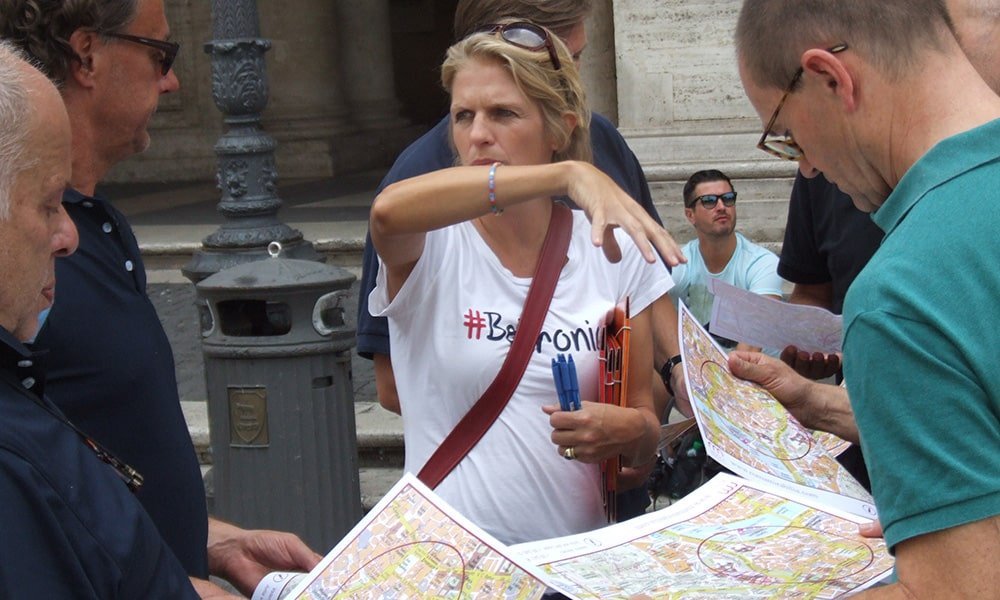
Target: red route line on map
[[761, 448], [401, 546], [764, 579], [694, 520]]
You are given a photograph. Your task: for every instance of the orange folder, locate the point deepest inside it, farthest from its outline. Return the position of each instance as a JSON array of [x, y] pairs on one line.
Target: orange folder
[[613, 355]]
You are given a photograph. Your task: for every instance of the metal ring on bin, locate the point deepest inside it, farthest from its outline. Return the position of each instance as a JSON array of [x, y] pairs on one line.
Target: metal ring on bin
[[274, 249]]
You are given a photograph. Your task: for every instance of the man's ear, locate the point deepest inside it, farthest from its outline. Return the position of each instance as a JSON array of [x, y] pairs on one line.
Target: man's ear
[[85, 43], [834, 73], [689, 213]]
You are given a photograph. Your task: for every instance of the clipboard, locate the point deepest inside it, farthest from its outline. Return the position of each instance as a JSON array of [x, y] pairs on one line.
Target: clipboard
[[613, 357]]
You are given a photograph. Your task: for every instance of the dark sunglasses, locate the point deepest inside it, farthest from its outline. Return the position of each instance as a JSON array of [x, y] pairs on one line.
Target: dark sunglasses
[[525, 35], [169, 49], [710, 200]]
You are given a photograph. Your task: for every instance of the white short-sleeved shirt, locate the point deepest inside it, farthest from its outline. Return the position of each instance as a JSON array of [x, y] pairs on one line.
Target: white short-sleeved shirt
[[450, 327]]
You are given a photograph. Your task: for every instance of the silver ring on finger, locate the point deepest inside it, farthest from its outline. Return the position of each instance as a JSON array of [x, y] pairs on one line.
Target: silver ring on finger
[[569, 453]]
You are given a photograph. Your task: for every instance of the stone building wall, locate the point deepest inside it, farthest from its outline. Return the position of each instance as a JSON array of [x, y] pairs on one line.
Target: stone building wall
[[681, 107], [343, 98]]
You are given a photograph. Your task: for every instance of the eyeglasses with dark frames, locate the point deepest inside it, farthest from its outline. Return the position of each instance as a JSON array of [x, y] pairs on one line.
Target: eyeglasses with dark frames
[[169, 49], [710, 200], [526, 35], [785, 146]]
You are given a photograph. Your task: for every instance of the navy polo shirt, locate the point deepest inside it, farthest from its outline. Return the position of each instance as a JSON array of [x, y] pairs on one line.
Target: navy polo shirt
[[69, 527], [827, 239], [433, 152], [111, 371]]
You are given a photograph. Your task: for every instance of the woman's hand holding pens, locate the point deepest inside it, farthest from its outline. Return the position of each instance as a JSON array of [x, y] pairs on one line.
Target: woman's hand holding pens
[[595, 432]]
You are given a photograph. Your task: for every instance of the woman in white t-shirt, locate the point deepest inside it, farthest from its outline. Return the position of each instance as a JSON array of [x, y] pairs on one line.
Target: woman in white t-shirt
[[454, 273]]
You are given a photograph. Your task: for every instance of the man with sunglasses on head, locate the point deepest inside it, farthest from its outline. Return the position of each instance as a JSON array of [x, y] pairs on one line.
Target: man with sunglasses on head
[[719, 252], [611, 154], [110, 366], [879, 97]]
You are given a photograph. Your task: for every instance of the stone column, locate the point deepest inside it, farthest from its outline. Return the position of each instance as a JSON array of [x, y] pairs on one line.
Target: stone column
[[597, 67], [366, 50], [682, 108], [308, 108]]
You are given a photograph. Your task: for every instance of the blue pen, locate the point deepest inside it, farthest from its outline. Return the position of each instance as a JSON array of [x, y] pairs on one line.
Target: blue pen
[[566, 383], [557, 377], [574, 385]]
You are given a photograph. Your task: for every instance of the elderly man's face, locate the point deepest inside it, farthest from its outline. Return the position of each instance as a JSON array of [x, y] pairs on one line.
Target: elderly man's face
[[38, 228]]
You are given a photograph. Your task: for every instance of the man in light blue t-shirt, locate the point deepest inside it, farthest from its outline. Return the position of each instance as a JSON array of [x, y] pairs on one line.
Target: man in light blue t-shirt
[[719, 252]]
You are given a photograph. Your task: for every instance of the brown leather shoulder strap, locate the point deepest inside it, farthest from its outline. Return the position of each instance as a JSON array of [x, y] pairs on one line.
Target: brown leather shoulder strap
[[481, 416]]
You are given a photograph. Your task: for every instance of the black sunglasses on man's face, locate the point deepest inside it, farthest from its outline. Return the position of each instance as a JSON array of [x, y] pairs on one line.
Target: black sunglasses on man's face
[[710, 200], [169, 49]]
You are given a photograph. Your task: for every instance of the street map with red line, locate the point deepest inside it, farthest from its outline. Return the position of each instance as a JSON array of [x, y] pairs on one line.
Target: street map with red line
[[412, 546]]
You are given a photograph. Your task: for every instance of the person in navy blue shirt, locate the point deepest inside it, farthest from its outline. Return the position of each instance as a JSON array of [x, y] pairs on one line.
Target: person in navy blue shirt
[[70, 525], [827, 243], [433, 151], [110, 367]]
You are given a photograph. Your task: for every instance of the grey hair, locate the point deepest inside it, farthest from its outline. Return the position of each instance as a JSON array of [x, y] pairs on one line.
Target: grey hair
[[15, 124]]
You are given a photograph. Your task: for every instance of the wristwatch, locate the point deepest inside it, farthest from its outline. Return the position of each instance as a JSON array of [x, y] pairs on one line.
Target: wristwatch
[[667, 368]]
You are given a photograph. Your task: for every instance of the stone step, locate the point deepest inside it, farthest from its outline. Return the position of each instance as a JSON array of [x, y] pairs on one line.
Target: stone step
[[375, 482], [380, 436]]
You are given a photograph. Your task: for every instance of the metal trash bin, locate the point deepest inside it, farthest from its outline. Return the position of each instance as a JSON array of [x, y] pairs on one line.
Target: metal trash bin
[[280, 399]]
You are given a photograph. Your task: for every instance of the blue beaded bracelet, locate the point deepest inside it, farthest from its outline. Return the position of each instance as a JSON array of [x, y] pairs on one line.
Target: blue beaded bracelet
[[492, 187]]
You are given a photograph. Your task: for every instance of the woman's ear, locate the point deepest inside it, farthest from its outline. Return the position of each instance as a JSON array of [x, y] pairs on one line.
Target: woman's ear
[[571, 122]]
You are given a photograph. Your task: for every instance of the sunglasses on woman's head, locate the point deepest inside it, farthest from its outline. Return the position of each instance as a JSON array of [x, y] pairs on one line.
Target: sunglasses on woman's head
[[525, 35]]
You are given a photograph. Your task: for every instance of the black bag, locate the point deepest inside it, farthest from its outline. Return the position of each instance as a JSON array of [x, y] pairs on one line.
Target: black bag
[[681, 468]]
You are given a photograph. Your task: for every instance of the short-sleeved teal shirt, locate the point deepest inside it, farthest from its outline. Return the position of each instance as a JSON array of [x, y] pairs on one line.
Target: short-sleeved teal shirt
[[921, 342]]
